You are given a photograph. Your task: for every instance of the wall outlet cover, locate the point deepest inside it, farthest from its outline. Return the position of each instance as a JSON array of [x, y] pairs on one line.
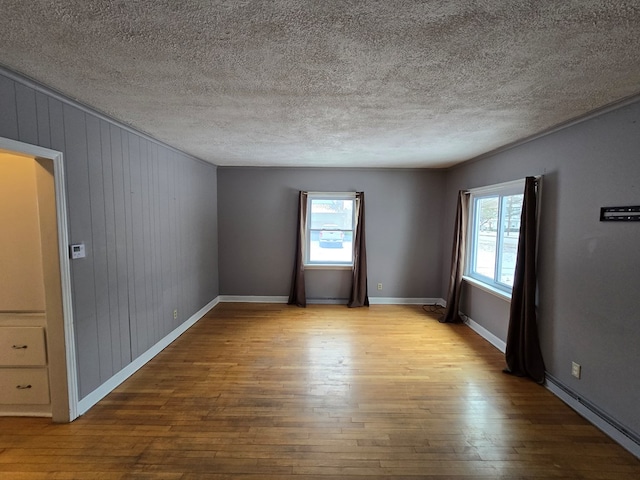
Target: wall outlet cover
[[576, 369]]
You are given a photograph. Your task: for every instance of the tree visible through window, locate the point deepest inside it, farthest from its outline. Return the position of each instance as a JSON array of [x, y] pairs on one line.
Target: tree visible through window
[[494, 231]]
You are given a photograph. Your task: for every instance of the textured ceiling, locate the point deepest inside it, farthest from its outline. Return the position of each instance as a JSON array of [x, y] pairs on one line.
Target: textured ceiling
[[331, 83]]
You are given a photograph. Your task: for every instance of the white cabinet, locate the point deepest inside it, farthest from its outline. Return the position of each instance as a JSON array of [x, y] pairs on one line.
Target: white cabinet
[[24, 378]]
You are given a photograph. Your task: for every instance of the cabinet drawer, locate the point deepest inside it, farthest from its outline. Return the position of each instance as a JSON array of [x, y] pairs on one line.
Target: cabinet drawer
[[24, 386], [22, 346]]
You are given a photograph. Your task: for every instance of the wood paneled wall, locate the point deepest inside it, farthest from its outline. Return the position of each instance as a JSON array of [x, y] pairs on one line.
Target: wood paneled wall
[[147, 215]]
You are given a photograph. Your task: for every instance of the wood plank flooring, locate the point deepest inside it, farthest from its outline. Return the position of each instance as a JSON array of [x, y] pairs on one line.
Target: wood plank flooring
[[278, 392]]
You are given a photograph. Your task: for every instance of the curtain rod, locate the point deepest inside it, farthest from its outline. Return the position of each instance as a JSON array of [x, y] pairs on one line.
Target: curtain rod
[[333, 194], [537, 178]]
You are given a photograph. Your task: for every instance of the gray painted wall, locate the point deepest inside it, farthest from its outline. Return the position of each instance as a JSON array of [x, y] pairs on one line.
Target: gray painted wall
[[147, 215], [257, 222], [588, 270]]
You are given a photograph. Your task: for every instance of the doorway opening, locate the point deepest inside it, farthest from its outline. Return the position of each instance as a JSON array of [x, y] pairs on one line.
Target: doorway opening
[[38, 258]]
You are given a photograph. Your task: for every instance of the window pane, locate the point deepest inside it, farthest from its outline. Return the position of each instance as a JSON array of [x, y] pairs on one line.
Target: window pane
[[486, 225], [494, 228], [331, 231], [510, 232], [331, 212]]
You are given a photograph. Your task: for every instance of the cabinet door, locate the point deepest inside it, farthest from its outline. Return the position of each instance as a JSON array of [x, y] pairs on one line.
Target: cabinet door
[[22, 346]]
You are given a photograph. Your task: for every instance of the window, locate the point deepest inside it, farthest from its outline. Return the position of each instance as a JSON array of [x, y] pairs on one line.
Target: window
[[330, 229], [494, 229]]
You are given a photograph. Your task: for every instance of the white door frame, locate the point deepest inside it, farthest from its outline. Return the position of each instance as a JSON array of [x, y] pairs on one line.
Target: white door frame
[[34, 151]]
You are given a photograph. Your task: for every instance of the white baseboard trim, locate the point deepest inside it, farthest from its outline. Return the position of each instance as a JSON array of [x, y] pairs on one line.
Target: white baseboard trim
[[486, 334], [330, 301], [327, 301], [103, 390], [573, 400], [404, 301], [590, 414], [252, 299]]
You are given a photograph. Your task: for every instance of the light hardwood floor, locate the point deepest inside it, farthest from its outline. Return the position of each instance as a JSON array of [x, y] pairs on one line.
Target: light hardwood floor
[[278, 392]]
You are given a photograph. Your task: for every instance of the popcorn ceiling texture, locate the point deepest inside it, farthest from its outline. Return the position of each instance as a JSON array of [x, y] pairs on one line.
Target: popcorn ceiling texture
[[331, 83]]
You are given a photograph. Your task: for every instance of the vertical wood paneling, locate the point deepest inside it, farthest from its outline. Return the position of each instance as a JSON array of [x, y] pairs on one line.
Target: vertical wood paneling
[[190, 210], [154, 335], [165, 244], [174, 238], [110, 241], [184, 260], [8, 111], [99, 239], [84, 301], [180, 221], [142, 213], [27, 116], [135, 167], [155, 235], [170, 249], [147, 324], [137, 243], [209, 252], [211, 234], [120, 219], [56, 127], [126, 176], [194, 210], [42, 113]]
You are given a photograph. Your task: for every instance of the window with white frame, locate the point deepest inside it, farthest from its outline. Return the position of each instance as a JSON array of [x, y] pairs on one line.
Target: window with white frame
[[494, 229], [330, 228]]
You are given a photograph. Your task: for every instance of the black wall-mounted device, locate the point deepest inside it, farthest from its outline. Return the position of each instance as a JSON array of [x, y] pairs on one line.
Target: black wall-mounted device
[[620, 214]]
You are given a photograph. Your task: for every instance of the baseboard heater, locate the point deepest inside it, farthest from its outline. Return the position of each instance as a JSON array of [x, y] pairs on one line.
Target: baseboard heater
[[629, 439], [633, 436]]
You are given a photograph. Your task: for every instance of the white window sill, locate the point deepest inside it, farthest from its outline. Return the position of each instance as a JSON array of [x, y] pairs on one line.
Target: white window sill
[[317, 266], [488, 288]]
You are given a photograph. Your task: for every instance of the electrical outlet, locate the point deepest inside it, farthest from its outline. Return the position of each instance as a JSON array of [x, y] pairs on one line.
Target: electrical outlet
[[380, 286], [175, 314], [576, 369]]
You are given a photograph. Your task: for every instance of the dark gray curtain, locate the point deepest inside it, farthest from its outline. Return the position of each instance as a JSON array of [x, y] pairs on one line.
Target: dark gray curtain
[[298, 296], [523, 354], [458, 253], [359, 296]]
